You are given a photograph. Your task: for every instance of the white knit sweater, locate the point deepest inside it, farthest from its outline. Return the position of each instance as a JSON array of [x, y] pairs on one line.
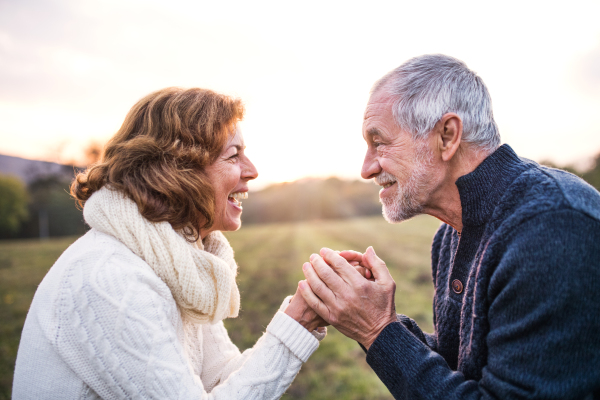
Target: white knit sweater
[[103, 325]]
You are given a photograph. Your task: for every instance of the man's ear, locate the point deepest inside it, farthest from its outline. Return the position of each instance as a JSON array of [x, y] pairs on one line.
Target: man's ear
[[449, 135]]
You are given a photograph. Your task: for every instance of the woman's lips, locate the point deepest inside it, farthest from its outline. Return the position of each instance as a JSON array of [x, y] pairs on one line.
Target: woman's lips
[[233, 200], [235, 204]]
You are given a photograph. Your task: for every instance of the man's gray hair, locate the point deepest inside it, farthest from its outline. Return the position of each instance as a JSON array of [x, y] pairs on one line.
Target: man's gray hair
[[426, 87]]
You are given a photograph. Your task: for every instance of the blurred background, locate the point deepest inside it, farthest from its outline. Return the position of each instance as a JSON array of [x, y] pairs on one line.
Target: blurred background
[[70, 71]]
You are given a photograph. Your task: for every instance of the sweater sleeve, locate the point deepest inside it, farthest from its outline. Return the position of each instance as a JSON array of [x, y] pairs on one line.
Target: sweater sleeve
[[428, 338], [222, 357], [120, 332], [544, 319]]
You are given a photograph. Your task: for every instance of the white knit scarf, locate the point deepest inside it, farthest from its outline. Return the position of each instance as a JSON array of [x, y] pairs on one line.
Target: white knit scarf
[[201, 276]]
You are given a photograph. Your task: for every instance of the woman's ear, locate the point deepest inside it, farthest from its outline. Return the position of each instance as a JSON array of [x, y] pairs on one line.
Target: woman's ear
[[449, 132]]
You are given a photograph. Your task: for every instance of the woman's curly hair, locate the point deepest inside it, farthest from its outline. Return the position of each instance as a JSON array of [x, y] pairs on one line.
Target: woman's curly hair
[[158, 156]]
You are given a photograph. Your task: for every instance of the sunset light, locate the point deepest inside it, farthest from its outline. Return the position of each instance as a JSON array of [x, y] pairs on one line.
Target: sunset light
[[70, 71]]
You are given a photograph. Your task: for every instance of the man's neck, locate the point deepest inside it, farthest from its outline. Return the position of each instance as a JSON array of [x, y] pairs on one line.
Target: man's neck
[[444, 203]]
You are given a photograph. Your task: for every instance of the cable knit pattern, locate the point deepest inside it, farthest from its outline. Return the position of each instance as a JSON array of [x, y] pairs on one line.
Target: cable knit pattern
[[526, 325], [202, 282], [103, 325]]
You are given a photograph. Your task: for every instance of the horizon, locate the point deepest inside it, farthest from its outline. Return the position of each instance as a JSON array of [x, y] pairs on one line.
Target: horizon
[[255, 188], [587, 164]]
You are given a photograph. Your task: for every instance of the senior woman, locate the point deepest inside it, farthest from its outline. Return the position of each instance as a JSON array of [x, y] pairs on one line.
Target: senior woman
[[134, 308]]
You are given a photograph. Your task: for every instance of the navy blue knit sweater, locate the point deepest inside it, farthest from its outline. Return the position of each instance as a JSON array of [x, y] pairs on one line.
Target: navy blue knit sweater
[[517, 293]]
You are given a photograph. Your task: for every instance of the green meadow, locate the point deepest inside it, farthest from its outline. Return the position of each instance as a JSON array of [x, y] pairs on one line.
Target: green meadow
[[270, 257]]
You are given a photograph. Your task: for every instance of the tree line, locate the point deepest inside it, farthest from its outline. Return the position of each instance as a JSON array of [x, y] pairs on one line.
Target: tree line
[[44, 208]]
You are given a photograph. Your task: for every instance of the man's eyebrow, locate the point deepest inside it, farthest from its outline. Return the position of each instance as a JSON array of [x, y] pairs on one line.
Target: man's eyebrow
[[373, 132]]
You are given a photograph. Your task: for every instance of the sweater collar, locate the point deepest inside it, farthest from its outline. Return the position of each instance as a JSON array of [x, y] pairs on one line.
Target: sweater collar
[[481, 190]]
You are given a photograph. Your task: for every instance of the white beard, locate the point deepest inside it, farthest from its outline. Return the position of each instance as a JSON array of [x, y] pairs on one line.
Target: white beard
[[406, 203]]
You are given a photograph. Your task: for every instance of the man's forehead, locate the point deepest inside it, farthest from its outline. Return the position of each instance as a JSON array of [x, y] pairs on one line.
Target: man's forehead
[[379, 103]]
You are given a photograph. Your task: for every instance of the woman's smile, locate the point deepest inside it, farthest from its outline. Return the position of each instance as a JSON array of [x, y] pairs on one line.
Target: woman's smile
[[234, 199], [230, 174]]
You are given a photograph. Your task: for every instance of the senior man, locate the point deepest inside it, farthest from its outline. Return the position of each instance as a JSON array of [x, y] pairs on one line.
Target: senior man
[[515, 264]]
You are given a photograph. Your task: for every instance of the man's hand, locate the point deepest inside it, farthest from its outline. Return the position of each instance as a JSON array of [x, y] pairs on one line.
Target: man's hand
[[301, 312], [355, 259], [357, 307]]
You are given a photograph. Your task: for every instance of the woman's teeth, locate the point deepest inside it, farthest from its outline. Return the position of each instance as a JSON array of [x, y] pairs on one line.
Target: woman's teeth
[[237, 196]]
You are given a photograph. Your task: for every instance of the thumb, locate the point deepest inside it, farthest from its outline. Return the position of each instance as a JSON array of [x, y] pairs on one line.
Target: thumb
[[376, 265]]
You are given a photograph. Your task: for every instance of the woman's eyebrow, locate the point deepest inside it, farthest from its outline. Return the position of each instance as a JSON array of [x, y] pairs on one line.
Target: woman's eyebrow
[[239, 147]]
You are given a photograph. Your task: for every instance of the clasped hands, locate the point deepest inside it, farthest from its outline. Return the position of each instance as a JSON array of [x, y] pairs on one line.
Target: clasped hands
[[352, 291]]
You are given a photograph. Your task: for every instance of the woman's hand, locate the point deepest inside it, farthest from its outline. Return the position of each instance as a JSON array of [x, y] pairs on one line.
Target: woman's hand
[[301, 312], [355, 259]]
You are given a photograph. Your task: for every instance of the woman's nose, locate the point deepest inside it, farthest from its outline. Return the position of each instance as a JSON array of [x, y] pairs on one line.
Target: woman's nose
[[250, 172]]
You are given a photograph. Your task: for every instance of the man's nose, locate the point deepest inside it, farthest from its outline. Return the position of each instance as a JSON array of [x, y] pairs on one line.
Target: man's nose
[[370, 167]]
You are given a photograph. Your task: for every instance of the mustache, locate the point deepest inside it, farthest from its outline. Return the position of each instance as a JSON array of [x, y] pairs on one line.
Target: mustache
[[384, 178]]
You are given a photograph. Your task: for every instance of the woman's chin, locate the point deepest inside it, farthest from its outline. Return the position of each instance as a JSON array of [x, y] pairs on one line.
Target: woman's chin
[[231, 225]]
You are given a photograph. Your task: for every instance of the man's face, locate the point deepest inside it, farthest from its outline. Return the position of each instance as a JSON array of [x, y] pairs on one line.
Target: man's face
[[395, 161]]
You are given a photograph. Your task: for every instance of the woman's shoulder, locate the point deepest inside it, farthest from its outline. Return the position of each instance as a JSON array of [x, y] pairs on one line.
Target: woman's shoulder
[[99, 268], [95, 246], [101, 254], [100, 308]]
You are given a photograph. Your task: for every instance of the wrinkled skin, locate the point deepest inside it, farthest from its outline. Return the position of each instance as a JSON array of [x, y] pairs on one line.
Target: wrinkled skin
[[358, 307]]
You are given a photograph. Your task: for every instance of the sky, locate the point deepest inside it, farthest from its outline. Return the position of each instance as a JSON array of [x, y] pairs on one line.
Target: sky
[[71, 69]]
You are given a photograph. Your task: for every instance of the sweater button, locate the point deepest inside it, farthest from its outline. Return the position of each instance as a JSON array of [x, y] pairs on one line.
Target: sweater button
[[457, 286]]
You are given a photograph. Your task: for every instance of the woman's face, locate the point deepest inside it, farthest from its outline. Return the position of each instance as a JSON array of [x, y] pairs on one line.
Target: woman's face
[[229, 176]]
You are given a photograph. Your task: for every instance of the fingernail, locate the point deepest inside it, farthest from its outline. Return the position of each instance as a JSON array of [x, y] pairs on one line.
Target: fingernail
[[304, 266], [312, 256]]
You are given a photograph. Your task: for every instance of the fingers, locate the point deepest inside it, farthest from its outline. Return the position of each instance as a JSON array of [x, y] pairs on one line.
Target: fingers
[[360, 270], [351, 255], [300, 311], [376, 265], [354, 258], [338, 264], [365, 272], [318, 286], [313, 301], [327, 273]]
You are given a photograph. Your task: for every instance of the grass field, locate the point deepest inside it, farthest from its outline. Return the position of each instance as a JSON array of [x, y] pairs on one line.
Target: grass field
[[270, 259]]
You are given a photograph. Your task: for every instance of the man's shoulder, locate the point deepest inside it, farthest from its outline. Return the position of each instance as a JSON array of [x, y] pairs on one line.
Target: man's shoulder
[[541, 189], [578, 194]]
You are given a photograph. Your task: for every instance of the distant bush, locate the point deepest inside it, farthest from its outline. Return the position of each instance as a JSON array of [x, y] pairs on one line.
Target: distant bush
[[590, 175], [50, 211], [13, 204], [53, 207]]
